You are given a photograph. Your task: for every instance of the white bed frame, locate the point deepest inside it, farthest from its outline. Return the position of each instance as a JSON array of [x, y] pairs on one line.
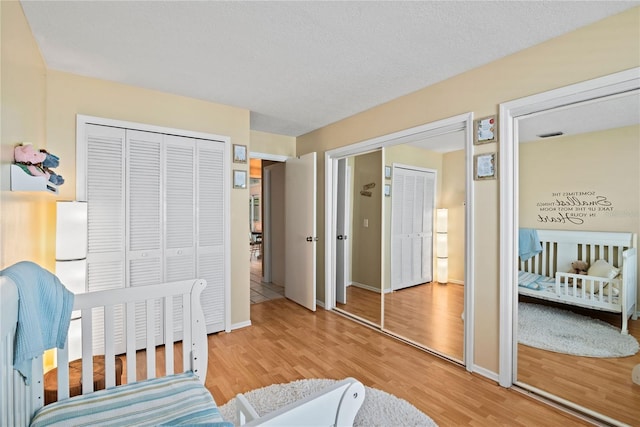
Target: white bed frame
[[560, 248], [337, 405]]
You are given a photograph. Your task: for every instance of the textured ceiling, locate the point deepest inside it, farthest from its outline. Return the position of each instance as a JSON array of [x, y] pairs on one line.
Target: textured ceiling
[[296, 66]]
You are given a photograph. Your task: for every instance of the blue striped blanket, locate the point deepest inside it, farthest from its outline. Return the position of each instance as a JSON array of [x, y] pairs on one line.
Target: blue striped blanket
[[534, 281], [172, 400]]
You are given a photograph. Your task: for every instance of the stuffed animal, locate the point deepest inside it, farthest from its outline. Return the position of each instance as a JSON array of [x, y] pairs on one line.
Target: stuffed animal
[[52, 161], [27, 155], [578, 267]]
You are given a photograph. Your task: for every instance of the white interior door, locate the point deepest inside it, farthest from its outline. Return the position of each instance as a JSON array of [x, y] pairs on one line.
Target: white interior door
[[300, 230]]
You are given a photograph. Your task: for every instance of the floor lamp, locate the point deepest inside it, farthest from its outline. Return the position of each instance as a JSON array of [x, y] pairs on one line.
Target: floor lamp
[[442, 251], [71, 260]]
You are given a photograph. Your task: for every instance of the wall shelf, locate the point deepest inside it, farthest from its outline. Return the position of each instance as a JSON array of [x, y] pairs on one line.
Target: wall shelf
[[22, 181]]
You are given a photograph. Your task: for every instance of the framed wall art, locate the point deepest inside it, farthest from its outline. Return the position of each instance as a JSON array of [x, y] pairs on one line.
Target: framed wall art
[[485, 130], [485, 166], [239, 178], [239, 153]]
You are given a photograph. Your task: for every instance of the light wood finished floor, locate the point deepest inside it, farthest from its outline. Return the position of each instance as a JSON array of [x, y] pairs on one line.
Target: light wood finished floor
[[287, 342], [428, 314], [602, 384]]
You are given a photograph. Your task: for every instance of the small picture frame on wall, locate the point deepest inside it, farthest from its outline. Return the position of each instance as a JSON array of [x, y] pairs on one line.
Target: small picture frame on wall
[[387, 190], [387, 172], [485, 166], [239, 153], [239, 178], [485, 130]]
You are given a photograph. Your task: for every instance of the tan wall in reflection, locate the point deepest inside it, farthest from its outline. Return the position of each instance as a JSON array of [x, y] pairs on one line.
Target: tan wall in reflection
[[595, 176], [366, 241]]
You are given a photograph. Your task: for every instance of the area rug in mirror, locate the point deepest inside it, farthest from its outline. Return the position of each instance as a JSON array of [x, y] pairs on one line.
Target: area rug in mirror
[[563, 331], [379, 408]]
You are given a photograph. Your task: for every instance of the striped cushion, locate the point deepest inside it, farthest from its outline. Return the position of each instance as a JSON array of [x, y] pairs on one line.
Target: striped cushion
[[172, 400]]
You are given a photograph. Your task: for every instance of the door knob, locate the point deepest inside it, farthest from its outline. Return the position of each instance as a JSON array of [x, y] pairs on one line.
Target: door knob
[[309, 239], [340, 237]]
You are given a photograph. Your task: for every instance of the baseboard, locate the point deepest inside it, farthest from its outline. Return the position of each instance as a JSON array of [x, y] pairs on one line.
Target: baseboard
[[367, 287], [240, 325], [485, 373]]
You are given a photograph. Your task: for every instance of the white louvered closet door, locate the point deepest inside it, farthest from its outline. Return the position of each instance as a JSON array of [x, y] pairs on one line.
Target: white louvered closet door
[[180, 212], [210, 185], [156, 214], [105, 193], [144, 219], [412, 227], [426, 182]]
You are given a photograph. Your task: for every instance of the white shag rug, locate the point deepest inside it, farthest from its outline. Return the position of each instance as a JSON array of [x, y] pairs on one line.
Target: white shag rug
[[378, 409], [563, 331]]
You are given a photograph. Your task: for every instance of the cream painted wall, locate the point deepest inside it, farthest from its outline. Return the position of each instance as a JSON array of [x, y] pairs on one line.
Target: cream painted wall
[[599, 49], [69, 95], [26, 217], [365, 258], [270, 143], [600, 167]]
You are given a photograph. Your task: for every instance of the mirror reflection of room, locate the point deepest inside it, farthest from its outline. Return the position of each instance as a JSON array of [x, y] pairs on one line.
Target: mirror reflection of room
[[579, 190], [424, 214], [398, 255], [360, 221]]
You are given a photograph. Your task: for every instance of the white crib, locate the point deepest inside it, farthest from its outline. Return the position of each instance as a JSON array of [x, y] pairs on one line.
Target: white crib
[[561, 247], [19, 403]]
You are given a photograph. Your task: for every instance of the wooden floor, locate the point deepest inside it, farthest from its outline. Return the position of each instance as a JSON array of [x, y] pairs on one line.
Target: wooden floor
[[428, 314], [601, 384], [287, 342]]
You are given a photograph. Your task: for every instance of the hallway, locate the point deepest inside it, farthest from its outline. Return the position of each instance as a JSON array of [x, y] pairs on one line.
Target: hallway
[[261, 292]]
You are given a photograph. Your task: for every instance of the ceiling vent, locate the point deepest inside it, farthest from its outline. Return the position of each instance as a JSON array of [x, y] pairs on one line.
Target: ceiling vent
[[549, 135]]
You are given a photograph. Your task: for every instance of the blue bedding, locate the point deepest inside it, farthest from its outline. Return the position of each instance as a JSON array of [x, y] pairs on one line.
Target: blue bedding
[[534, 281], [172, 400]]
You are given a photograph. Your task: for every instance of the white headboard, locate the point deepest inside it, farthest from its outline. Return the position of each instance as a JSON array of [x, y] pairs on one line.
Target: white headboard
[[563, 247]]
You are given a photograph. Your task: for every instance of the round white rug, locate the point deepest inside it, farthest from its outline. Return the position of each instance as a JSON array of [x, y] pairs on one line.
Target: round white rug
[[378, 409], [563, 331]]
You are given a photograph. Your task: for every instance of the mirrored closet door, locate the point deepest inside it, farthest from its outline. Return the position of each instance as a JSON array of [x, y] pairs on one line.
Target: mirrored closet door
[[578, 172], [385, 195]]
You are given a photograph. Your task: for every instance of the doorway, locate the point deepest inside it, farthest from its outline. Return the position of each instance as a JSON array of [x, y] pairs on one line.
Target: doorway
[[266, 228]]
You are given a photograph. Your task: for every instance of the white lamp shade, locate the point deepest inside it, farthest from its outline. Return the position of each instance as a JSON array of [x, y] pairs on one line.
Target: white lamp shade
[[72, 274], [442, 249], [441, 220], [442, 268], [71, 230]]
